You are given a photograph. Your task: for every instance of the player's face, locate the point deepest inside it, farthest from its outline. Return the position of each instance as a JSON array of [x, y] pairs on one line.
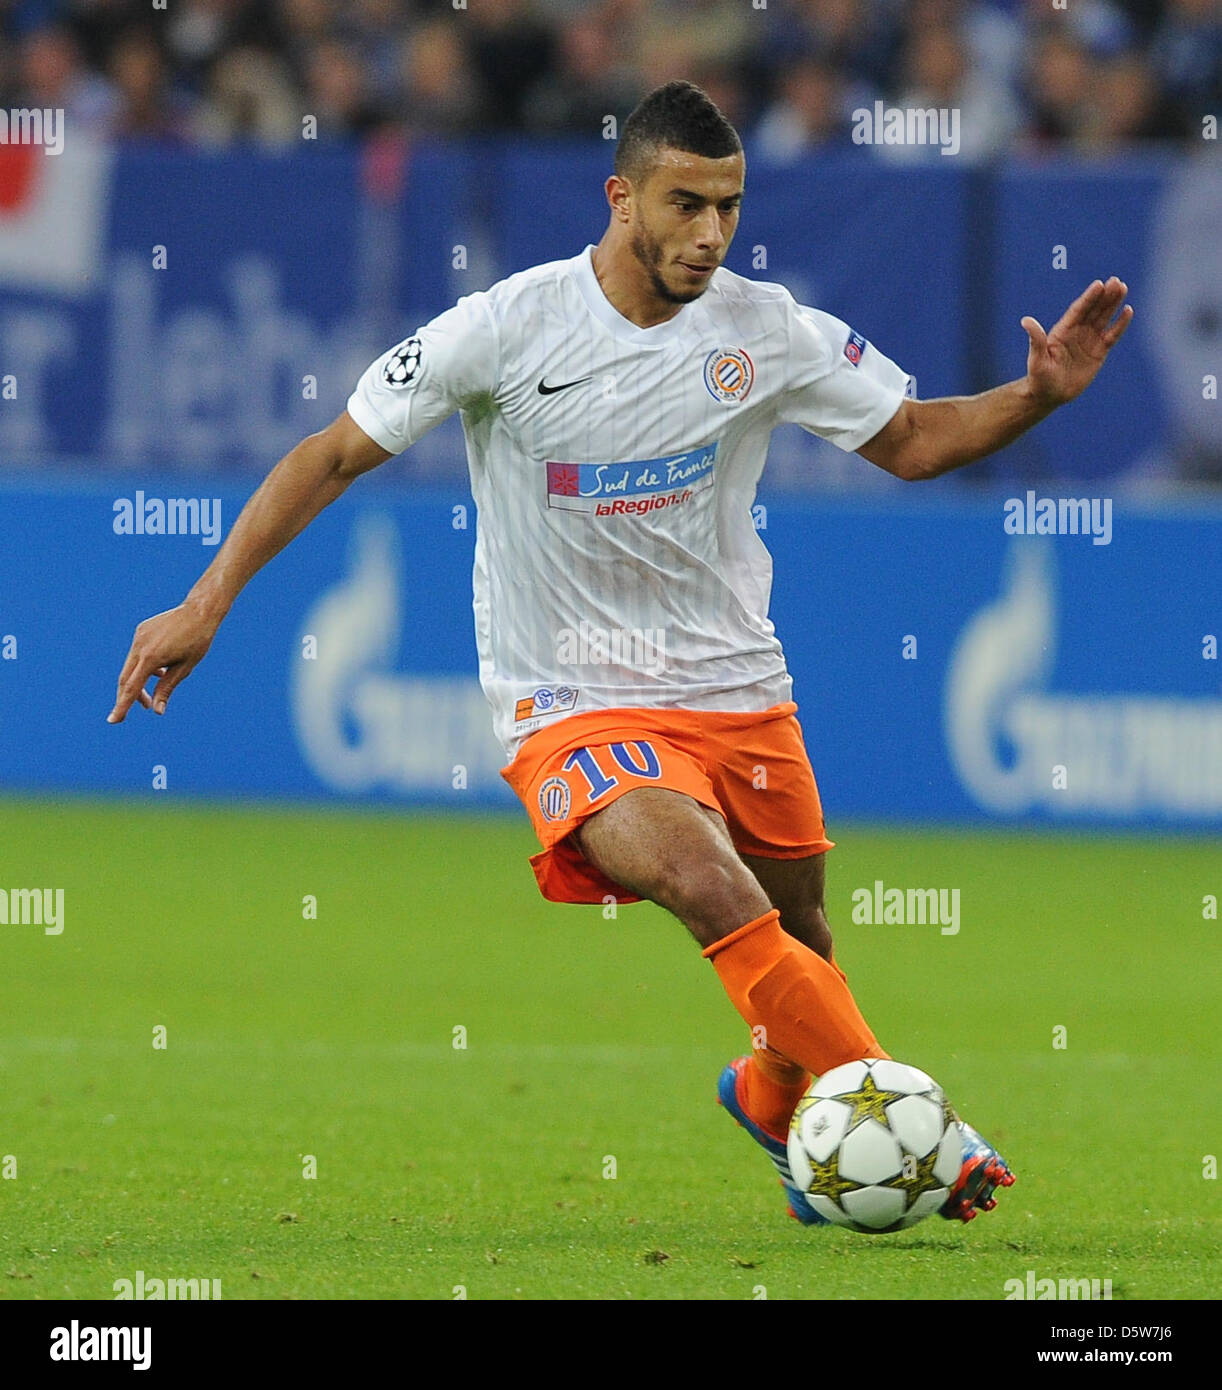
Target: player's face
[[684, 215]]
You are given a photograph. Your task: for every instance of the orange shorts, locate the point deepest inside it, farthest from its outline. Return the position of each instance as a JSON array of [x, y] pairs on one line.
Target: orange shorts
[[750, 768]]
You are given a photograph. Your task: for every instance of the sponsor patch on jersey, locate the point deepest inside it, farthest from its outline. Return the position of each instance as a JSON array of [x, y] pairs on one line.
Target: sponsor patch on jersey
[[855, 347], [546, 700], [555, 799], [403, 365], [630, 489], [728, 374]]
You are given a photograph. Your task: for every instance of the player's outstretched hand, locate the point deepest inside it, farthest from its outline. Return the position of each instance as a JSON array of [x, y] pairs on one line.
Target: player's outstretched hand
[[170, 645], [1063, 363]]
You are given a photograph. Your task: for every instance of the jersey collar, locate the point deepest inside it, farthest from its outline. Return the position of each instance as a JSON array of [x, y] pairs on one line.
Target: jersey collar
[[606, 313]]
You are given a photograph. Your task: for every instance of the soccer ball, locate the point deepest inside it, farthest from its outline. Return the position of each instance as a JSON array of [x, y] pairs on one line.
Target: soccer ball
[[875, 1146]]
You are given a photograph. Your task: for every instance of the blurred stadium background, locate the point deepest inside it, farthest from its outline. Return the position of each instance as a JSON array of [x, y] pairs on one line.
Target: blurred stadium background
[[196, 282], [256, 198]]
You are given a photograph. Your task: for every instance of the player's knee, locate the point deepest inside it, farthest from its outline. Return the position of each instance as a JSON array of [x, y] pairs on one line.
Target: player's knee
[[713, 897], [808, 924]]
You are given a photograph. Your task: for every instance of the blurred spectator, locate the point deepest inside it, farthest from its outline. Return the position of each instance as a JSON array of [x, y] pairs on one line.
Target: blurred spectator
[[249, 97], [336, 92], [1186, 54], [97, 24], [1130, 107], [938, 74], [992, 36], [439, 92], [377, 27], [807, 114], [725, 88], [197, 32], [860, 38], [716, 34], [145, 108], [1060, 77], [593, 79], [512, 52], [51, 74], [1101, 26]]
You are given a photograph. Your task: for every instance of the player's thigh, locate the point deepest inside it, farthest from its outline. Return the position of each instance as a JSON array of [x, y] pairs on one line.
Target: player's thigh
[[795, 889], [666, 846]]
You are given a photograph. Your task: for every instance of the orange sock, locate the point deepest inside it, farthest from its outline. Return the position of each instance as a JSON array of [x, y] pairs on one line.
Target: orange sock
[[803, 1003], [772, 1088]]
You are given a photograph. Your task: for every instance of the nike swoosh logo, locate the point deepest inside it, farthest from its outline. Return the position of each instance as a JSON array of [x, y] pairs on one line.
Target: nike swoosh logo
[[546, 390]]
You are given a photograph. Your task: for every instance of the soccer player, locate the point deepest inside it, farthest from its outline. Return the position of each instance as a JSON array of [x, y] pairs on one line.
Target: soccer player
[[617, 409]]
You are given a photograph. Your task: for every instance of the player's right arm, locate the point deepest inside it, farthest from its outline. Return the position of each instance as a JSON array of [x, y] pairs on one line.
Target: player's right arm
[[308, 478], [405, 393]]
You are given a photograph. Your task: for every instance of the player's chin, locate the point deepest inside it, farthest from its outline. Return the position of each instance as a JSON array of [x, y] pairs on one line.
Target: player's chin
[[689, 291], [691, 281]]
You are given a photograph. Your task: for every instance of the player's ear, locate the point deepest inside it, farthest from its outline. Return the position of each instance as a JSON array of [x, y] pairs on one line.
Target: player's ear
[[619, 196]]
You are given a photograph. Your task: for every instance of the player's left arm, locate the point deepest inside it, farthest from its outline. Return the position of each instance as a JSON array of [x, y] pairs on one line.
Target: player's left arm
[[925, 439]]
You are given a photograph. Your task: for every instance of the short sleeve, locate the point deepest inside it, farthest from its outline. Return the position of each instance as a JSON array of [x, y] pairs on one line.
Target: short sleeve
[[447, 364], [841, 387]]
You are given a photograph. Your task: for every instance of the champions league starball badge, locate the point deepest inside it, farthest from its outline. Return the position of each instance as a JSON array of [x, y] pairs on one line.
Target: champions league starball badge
[[403, 364]]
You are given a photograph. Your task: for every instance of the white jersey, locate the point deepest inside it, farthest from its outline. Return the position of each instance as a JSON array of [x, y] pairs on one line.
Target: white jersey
[[614, 469]]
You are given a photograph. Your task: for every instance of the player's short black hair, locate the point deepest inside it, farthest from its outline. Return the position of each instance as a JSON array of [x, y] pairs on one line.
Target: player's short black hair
[[677, 116]]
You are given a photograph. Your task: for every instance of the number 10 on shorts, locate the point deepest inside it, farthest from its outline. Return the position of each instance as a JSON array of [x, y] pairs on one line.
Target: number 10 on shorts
[[636, 757]]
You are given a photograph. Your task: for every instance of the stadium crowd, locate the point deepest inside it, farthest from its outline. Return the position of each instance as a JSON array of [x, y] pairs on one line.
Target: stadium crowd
[[1092, 77]]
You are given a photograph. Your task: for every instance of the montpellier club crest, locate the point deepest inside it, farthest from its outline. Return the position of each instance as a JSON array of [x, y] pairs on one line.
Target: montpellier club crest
[[728, 374], [555, 799]]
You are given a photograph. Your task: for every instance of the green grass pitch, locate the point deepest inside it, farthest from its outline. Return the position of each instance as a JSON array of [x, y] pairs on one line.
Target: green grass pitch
[[592, 1048]]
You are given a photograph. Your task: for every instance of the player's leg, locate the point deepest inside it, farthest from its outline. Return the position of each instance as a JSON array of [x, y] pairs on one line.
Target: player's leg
[[769, 1085], [667, 847], [760, 771], [795, 889]]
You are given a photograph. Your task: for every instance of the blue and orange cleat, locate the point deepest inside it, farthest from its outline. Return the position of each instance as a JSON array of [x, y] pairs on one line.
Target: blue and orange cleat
[[983, 1172], [773, 1145]]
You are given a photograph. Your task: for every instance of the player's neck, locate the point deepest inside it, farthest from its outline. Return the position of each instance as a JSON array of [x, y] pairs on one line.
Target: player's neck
[[627, 286]]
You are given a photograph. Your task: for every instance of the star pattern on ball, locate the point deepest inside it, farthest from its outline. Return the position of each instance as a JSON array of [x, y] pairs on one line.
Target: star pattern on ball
[[803, 1106], [868, 1102], [827, 1181], [916, 1177]]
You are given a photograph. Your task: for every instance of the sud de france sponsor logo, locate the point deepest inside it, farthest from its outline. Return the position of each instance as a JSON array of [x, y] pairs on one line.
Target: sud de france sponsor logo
[[630, 489]]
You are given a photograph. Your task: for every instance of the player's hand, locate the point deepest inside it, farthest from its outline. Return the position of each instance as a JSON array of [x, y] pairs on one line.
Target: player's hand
[[1063, 363], [170, 645]]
